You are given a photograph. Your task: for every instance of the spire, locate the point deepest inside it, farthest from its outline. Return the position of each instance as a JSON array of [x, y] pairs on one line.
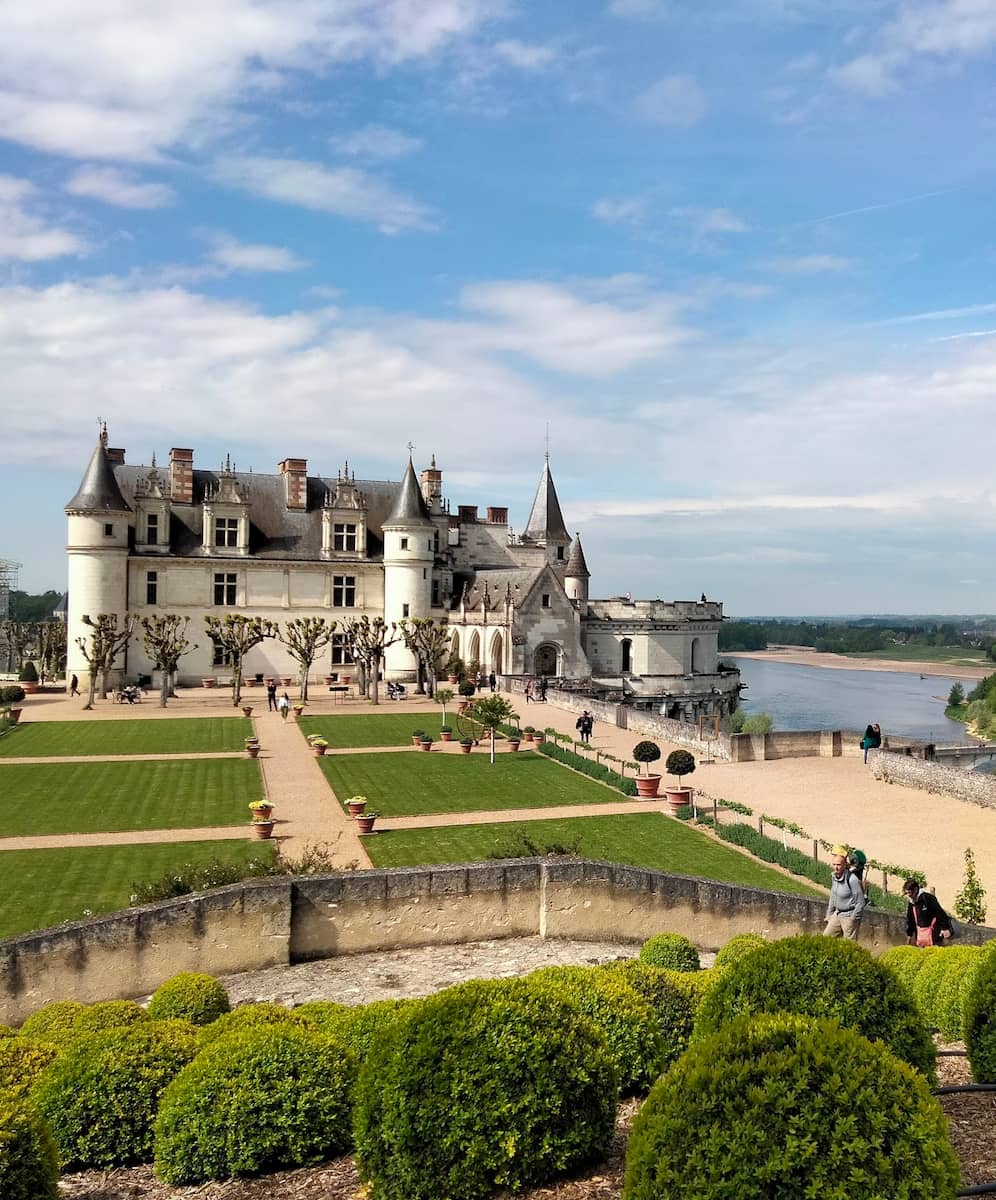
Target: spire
[[409, 506], [99, 491], [546, 521], [577, 568]]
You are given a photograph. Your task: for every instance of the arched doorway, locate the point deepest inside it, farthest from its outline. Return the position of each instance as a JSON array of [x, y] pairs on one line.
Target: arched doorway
[[455, 644], [474, 650], [545, 661], [627, 656], [497, 657], [696, 656]]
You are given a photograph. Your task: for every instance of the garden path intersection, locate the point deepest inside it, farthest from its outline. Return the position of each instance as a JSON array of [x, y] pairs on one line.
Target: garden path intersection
[[835, 799]]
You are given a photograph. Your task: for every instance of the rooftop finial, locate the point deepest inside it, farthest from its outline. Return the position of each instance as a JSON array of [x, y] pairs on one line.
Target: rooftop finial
[[411, 448], [547, 455], [103, 430]]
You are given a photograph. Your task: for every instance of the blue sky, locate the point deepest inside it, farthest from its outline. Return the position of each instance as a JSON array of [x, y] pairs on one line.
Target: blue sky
[[739, 256]]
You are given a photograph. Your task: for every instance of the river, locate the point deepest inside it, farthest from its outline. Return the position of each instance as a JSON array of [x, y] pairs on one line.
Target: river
[[801, 697]]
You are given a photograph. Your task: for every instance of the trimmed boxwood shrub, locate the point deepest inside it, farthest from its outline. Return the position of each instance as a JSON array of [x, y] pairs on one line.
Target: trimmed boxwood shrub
[[29, 1163], [821, 977], [190, 996], [693, 985], [671, 950], [356, 1026], [250, 1016], [12, 694], [827, 1113], [490, 1084], [671, 1005], [258, 1100], [66, 1020], [905, 962], [54, 1022], [929, 984], [101, 1094], [585, 766], [738, 947], [962, 964], [22, 1060], [979, 1010]]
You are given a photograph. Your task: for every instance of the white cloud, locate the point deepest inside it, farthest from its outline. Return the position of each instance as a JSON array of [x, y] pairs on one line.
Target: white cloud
[[621, 212], [128, 79], [527, 56], [343, 191], [377, 141], [25, 236], [675, 100], [714, 220], [811, 264], [119, 188], [232, 255]]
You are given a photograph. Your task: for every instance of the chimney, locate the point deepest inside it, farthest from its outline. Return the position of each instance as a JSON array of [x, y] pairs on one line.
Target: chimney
[[468, 514], [497, 516], [431, 480], [115, 456], [295, 473], [181, 475]]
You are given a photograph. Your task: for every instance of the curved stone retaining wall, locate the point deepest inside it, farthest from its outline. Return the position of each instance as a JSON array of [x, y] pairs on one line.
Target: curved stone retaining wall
[[270, 922], [937, 778]]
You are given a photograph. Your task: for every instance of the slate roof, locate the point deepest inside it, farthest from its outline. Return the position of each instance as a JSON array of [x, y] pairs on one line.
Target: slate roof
[[410, 505], [546, 521], [520, 579], [99, 492], [576, 568]]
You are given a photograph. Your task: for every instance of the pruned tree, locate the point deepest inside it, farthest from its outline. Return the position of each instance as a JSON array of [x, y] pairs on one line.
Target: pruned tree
[[51, 645], [236, 635], [430, 643], [17, 636], [305, 638], [443, 697], [492, 711], [368, 639], [165, 644], [104, 643]]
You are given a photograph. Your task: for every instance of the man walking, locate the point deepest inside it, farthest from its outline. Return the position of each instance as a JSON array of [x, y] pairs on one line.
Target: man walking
[[847, 899], [271, 696]]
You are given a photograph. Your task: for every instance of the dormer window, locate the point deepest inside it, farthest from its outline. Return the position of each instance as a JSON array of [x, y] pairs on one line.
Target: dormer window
[[344, 537], [546, 600], [226, 531], [152, 529], [560, 553]]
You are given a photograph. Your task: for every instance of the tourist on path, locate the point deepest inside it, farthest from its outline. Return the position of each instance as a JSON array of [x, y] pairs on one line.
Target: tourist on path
[[872, 739], [584, 725], [927, 924], [492, 681], [542, 689], [74, 686], [847, 899], [529, 690], [271, 696], [283, 704]]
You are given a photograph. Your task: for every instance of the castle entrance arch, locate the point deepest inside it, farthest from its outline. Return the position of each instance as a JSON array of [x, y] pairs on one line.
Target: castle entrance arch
[[455, 644], [496, 657], [474, 649], [545, 660]]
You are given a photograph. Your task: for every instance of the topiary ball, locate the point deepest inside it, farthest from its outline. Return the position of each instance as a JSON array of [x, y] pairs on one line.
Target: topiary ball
[[670, 950], [29, 1162], [250, 1016], [671, 1005], [646, 752], [979, 1011], [101, 1094], [738, 947], [488, 1085], [189, 996], [66, 1020], [693, 985], [821, 977], [820, 1111], [357, 1026], [22, 1060], [54, 1022], [258, 1100]]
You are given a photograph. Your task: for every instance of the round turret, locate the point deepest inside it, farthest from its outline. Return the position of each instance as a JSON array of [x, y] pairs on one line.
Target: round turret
[[408, 559]]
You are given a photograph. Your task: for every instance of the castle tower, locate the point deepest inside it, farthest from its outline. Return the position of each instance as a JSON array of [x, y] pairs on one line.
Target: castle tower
[[545, 526], [408, 558], [97, 546], [576, 577]]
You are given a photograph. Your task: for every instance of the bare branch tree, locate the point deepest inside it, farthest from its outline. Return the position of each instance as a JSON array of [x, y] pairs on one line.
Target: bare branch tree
[[430, 644], [305, 638], [237, 635], [368, 640], [165, 644], [105, 642]]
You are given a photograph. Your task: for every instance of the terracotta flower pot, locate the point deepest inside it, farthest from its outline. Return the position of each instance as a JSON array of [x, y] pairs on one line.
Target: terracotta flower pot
[[14, 714], [425, 745], [286, 680], [319, 750], [678, 797], [253, 751], [298, 710], [345, 679], [365, 824], [247, 710], [466, 749], [445, 737], [513, 745], [527, 736], [263, 830], [356, 807], [647, 786], [262, 812], [416, 740], [208, 683]]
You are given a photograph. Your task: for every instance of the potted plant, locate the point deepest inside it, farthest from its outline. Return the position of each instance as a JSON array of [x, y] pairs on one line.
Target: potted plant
[[425, 743], [261, 810], [365, 821], [466, 744], [252, 749], [298, 710], [679, 763], [647, 784], [454, 668], [356, 805], [513, 742], [319, 745], [417, 736], [528, 731], [247, 710], [286, 680], [443, 697], [262, 828], [467, 690], [28, 677], [445, 733], [208, 681]]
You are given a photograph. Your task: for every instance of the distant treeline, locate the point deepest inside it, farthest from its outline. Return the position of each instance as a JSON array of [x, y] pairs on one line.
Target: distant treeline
[[849, 639]]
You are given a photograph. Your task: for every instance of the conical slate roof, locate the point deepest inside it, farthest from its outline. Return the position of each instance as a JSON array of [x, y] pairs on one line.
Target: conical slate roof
[[546, 521], [576, 568], [410, 505], [99, 491]]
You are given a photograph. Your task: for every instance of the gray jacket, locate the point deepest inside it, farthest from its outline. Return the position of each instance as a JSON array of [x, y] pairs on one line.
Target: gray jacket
[[846, 896]]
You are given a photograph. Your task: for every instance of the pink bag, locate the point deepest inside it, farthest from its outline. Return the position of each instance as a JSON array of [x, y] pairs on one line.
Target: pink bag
[[925, 933]]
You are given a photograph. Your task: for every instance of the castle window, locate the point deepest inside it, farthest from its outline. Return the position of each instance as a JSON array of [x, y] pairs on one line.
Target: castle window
[[627, 655], [222, 656], [404, 543], [560, 553], [435, 542], [151, 587], [435, 592], [152, 529], [343, 591], [108, 531], [546, 600], [341, 651], [406, 610], [226, 531], [343, 537], [224, 587]]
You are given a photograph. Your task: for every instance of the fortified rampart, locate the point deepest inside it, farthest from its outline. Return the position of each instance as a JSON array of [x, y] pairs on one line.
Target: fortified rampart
[[273, 922]]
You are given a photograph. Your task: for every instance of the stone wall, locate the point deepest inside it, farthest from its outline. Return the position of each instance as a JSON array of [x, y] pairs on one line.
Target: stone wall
[[267, 923], [935, 777]]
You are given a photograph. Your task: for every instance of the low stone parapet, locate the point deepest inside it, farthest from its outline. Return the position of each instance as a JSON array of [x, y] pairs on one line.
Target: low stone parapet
[[935, 777]]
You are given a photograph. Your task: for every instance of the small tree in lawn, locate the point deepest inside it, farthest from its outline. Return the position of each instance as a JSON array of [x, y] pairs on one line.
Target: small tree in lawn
[[679, 763], [444, 696], [492, 711], [305, 638], [165, 644], [970, 903], [646, 753], [236, 635], [101, 647]]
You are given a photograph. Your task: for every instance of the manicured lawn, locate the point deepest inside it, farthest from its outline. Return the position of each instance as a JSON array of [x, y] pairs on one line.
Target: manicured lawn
[[44, 887], [382, 729], [90, 797], [640, 839], [405, 785], [178, 735]]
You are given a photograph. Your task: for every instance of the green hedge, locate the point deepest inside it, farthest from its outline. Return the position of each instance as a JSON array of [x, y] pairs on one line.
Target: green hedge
[[980, 1017], [670, 950], [101, 1094], [258, 1100], [22, 1060], [821, 977], [819, 1112], [693, 985], [905, 962], [65, 1020], [738, 947], [488, 1085], [29, 1163], [250, 1016], [671, 1004], [190, 996], [938, 978], [594, 770], [358, 1026]]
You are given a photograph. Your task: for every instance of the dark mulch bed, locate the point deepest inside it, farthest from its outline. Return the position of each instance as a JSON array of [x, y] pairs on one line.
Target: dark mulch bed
[[973, 1132]]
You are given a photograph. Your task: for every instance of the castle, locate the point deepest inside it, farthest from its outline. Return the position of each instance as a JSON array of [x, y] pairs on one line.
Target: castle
[[199, 543]]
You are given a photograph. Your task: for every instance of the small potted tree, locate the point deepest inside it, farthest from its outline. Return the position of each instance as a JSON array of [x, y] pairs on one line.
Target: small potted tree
[[466, 745], [527, 732], [28, 677], [467, 690], [425, 742], [445, 733], [417, 736], [679, 763], [647, 784], [252, 747]]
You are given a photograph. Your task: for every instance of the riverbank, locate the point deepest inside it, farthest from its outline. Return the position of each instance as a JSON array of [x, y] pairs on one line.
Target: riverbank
[[804, 657]]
